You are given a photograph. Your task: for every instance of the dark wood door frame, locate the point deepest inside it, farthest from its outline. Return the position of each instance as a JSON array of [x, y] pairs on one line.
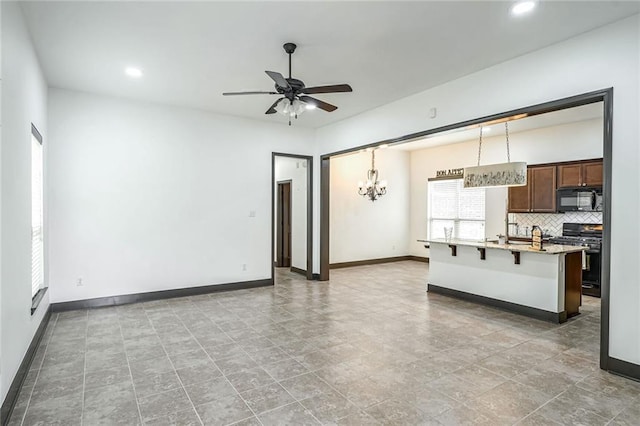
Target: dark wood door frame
[[309, 160], [606, 97], [281, 259]]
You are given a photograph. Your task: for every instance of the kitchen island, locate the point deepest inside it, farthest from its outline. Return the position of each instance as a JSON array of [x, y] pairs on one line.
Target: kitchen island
[[542, 284]]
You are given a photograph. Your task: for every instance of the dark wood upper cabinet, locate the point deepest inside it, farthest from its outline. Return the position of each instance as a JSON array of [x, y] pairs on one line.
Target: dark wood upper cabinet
[[543, 189], [538, 196], [570, 175], [592, 174], [519, 197], [580, 174]]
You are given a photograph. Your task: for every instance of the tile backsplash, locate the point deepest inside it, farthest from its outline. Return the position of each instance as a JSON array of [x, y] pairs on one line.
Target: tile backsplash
[[550, 222]]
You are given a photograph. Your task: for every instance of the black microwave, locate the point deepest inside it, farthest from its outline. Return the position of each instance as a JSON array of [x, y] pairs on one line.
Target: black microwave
[[579, 199]]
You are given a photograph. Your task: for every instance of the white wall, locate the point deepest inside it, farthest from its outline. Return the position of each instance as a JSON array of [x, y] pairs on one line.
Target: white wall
[[145, 197], [1, 74], [605, 57], [573, 141], [361, 229], [295, 170], [24, 100]]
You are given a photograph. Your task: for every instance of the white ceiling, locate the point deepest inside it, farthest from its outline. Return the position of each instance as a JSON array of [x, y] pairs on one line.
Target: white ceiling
[[193, 51], [556, 118]]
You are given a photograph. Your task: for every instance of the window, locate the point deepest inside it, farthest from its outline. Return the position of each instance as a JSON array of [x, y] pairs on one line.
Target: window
[[37, 246], [451, 205]]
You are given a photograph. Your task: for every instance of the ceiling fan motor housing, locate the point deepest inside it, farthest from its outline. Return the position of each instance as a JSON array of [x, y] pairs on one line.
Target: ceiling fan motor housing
[[295, 86], [289, 48]]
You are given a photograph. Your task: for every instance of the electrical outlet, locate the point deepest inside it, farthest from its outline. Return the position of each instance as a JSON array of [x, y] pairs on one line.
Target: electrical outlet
[[244, 266], [252, 213], [79, 282]]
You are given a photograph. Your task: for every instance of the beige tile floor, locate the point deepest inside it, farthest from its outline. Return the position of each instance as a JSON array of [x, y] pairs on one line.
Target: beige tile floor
[[370, 346]]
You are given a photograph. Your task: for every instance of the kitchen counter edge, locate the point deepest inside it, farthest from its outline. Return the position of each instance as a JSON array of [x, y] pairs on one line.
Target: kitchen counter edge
[[548, 248]]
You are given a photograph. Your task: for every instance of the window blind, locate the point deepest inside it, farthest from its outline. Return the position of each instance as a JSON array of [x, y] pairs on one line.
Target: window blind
[[452, 205], [37, 246]]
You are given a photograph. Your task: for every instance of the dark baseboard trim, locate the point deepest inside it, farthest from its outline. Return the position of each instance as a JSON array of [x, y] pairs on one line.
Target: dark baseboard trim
[[624, 368], [298, 271], [500, 304], [368, 262], [156, 295], [419, 259], [25, 365], [315, 277]]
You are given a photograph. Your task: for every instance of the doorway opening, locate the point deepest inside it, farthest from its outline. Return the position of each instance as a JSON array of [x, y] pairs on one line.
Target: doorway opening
[[292, 211], [605, 97], [283, 225]]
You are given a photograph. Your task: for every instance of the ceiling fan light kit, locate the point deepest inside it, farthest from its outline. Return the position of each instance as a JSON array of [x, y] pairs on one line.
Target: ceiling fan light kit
[[294, 100]]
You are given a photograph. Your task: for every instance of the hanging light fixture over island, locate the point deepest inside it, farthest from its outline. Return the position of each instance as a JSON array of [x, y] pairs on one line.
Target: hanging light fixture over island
[[492, 175]]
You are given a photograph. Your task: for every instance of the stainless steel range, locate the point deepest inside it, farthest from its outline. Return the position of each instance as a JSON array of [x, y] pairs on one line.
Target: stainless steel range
[[587, 235]]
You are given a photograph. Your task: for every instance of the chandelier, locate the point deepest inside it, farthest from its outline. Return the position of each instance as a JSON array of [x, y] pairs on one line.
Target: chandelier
[[372, 189]]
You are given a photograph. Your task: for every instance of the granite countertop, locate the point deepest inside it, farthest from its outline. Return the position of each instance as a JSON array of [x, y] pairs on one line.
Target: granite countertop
[[548, 248]]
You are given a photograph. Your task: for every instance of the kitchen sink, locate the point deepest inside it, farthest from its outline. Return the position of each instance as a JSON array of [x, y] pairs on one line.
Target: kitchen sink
[[519, 243]]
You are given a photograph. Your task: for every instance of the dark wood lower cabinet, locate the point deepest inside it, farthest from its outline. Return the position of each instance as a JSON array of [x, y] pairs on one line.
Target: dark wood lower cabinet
[[572, 283]]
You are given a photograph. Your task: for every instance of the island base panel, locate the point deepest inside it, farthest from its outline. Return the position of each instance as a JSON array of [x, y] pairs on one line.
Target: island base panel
[[555, 317]]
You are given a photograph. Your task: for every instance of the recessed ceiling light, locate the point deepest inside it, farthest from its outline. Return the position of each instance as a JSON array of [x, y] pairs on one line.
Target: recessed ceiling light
[[133, 72], [522, 7]]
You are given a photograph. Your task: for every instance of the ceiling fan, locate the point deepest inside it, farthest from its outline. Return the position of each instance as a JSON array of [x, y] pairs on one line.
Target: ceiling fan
[[294, 100]]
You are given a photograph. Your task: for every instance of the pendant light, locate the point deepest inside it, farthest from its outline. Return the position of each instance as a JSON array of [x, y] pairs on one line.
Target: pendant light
[[496, 175]]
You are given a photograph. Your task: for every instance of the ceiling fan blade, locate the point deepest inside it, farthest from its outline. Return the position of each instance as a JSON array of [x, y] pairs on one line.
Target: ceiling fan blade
[[248, 93], [318, 103], [336, 88], [279, 79], [272, 108]]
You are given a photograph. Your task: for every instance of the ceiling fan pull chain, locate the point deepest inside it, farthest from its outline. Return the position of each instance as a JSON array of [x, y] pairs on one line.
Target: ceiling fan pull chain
[[506, 132]]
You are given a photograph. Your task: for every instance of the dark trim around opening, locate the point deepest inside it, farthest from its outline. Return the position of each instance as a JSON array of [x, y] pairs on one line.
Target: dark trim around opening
[[604, 95], [325, 166], [309, 159]]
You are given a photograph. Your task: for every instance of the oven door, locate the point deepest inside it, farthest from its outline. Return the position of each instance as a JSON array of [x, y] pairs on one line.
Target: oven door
[[591, 273]]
